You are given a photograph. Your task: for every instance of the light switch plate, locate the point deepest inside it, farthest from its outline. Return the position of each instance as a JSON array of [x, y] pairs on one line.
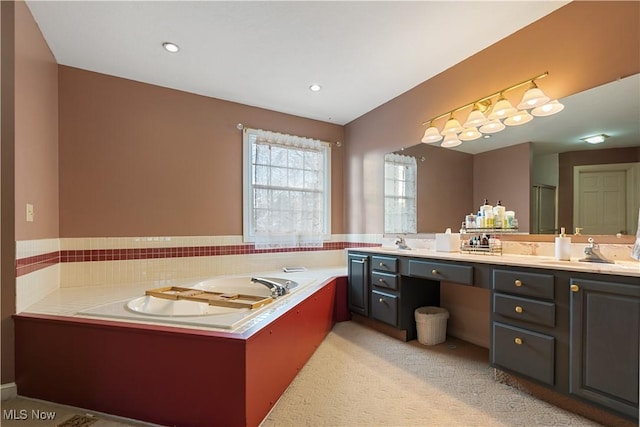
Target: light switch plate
[[29, 212]]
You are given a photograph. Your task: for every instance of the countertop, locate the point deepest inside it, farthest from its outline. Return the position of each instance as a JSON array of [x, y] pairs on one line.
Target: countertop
[[619, 268]]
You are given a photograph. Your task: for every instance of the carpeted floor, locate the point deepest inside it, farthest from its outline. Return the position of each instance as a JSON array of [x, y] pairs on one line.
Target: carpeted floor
[[360, 377]]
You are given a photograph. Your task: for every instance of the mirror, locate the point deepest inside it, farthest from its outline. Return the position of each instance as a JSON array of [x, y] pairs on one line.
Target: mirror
[[556, 149]]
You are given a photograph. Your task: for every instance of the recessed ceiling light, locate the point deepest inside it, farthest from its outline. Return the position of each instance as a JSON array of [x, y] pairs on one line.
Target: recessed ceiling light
[[595, 139], [315, 87], [170, 47]]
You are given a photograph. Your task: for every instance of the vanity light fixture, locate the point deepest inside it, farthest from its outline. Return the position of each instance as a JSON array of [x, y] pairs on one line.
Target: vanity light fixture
[[483, 119], [170, 47], [595, 139]]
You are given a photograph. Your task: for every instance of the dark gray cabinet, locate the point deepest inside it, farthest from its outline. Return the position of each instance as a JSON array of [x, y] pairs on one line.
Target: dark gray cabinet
[[604, 343], [523, 319], [358, 271], [380, 289]]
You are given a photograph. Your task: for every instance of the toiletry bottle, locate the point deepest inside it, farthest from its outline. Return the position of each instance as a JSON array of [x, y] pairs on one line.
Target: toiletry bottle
[[498, 215], [563, 246], [487, 214]]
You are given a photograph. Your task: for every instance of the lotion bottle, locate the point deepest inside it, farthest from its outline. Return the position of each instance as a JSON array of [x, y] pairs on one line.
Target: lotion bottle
[[563, 246]]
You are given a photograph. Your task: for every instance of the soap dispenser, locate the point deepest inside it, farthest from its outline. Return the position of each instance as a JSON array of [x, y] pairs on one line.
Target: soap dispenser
[[563, 246]]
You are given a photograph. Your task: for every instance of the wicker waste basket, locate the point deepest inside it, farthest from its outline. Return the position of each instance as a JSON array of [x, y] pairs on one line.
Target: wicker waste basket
[[431, 324]]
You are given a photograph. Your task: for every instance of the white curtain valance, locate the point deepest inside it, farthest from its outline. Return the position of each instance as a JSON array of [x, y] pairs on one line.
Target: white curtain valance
[[286, 140]]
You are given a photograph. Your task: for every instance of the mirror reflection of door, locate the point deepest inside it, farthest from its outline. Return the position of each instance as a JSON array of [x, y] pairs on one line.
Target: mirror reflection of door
[[605, 198]]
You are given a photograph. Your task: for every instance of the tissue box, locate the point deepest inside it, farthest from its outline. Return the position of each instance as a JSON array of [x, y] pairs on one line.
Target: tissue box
[[447, 242]]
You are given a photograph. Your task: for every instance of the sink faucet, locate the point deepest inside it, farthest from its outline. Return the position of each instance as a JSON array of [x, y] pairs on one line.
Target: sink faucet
[[277, 289], [593, 254], [400, 243]]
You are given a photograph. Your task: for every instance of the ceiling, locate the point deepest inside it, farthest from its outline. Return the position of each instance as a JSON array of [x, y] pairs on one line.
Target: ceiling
[[267, 53]]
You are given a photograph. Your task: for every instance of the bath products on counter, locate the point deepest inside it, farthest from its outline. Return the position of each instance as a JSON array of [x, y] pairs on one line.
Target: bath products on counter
[[498, 215], [486, 215], [563, 246]]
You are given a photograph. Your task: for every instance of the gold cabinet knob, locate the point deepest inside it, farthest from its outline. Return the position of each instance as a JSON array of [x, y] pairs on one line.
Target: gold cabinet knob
[[382, 264], [574, 288], [381, 300], [434, 271], [518, 283], [518, 341], [518, 309], [381, 280]]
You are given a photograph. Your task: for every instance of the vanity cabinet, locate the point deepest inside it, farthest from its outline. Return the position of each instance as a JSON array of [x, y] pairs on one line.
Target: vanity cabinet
[[358, 295], [523, 324], [604, 343], [381, 290], [385, 288]]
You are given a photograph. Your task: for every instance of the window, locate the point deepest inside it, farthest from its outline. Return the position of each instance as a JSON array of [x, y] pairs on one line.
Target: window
[[287, 190], [400, 174]]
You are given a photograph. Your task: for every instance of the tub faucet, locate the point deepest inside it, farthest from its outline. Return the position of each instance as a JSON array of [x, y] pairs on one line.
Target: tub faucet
[[277, 289], [593, 254]]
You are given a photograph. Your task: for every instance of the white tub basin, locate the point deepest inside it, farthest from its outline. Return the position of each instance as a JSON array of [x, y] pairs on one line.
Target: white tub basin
[[154, 306]]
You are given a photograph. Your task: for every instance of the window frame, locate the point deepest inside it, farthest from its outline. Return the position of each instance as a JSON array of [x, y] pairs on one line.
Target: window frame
[[249, 137]]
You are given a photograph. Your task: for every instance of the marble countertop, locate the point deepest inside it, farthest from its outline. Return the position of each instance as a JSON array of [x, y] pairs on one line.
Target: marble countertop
[[620, 267]]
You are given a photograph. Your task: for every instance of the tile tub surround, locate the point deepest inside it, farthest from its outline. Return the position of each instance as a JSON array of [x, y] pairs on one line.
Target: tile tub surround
[[45, 265]]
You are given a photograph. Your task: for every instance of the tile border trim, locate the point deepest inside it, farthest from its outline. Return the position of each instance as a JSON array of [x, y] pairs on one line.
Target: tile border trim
[[33, 263]]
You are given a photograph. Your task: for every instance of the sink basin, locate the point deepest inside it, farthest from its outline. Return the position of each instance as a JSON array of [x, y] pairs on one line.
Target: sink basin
[[154, 306]]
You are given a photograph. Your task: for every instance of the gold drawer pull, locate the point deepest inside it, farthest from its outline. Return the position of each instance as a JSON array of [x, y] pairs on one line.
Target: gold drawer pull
[[381, 280], [518, 283], [518, 341], [574, 288], [382, 264], [381, 300], [518, 309], [434, 272]]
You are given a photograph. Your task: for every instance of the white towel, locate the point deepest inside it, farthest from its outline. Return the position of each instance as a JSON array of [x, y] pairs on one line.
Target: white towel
[[635, 251]]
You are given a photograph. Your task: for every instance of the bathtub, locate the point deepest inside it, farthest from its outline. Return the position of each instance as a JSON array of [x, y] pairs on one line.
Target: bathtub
[[151, 309]]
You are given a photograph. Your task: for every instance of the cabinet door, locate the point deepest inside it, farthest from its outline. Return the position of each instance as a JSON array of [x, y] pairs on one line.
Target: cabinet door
[[604, 346], [359, 284]]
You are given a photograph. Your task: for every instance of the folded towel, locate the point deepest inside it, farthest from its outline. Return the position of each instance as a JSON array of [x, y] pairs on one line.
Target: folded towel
[[635, 251]]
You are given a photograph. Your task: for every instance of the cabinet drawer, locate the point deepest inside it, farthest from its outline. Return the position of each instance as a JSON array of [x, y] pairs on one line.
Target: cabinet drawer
[[439, 271], [384, 307], [384, 280], [384, 263], [527, 310], [526, 284], [526, 352]]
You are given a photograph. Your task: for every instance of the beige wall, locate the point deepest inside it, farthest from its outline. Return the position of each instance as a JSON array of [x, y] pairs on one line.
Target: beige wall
[[142, 160], [504, 175], [36, 121], [581, 45]]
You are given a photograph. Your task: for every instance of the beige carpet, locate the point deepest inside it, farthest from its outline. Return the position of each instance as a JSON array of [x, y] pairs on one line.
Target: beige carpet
[[360, 377]]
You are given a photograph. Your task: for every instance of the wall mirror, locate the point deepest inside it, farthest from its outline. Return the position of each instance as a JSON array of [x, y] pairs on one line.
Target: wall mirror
[[557, 150]]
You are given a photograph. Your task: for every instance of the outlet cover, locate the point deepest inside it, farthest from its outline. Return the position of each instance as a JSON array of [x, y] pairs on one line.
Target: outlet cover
[[29, 212]]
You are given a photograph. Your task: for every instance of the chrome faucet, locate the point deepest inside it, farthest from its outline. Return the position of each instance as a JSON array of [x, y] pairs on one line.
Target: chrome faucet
[[593, 254], [400, 243], [279, 287]]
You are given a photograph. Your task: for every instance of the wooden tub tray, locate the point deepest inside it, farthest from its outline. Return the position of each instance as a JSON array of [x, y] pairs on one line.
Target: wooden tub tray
[[212, 298]]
